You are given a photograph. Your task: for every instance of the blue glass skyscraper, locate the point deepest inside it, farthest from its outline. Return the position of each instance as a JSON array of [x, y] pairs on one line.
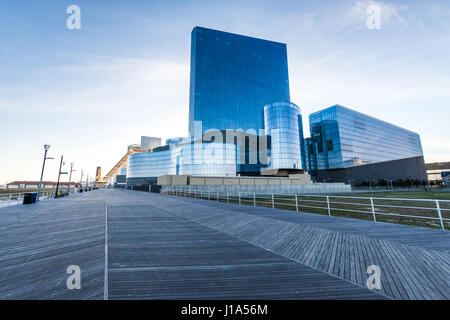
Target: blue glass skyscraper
[[232, 78]]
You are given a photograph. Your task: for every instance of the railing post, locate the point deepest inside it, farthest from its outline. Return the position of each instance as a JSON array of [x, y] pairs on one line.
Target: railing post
[[373, 210], [209, 195], [440, 215], [254, 199], [273, 202], [239, 198], [217, 196], [227, 196], [328, 204], [296, 203]]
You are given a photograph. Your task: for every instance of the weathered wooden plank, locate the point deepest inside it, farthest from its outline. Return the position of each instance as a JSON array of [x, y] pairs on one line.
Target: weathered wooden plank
[[350, 252]]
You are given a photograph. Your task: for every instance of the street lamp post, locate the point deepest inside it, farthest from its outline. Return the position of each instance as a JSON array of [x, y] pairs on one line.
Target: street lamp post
[[59, 175], [81, 178], [70, 177], [46, 147]]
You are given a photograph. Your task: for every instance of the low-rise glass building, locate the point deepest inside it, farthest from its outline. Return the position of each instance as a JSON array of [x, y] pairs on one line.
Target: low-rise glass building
[[341, 137], [196, 159], [348, 146]]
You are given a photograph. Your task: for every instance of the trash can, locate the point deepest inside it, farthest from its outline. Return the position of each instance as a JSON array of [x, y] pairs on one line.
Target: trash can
[[29, 198]]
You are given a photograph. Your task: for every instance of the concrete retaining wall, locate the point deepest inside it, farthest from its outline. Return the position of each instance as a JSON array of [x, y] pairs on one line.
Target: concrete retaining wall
[[195, 181], [180, 180], [164, 180], [230, 181]]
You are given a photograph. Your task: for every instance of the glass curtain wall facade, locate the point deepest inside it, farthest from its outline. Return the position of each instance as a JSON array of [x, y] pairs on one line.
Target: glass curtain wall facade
[[283, 123], [232, 78], [211, 159], [342, 138]]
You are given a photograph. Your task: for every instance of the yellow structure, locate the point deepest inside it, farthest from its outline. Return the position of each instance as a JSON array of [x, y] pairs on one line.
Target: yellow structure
[[99, 182], [122, 163]]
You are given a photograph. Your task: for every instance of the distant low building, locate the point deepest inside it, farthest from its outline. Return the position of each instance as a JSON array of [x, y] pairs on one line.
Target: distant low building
[[435, 170], [35, 185]]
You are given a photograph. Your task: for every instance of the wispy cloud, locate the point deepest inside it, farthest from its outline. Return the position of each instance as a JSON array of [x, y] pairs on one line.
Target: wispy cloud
[[110, 84]]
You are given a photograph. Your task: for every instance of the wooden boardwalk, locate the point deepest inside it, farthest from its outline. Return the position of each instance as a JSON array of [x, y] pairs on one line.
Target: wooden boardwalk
[[415, 262], [167, 247]]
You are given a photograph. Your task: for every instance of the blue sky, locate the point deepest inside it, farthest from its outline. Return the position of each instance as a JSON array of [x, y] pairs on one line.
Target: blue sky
[[91, 92]]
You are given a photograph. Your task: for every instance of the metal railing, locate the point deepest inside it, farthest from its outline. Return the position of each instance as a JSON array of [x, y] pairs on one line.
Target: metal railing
[[431, 212], [10, 198]]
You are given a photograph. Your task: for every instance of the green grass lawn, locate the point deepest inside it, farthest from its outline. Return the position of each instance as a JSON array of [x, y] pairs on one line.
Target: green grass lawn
[[362, 208], [403, 194]]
